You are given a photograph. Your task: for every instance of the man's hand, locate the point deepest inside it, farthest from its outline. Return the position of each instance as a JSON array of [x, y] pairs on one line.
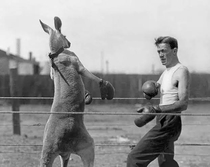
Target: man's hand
[[144, 119], [107, 90], [150, 89]]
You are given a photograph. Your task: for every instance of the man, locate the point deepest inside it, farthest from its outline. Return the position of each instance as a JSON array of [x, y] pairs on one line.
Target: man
[[173, 85]]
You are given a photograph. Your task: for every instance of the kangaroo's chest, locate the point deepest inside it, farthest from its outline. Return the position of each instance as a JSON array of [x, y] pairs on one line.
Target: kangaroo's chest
[[70, 87]]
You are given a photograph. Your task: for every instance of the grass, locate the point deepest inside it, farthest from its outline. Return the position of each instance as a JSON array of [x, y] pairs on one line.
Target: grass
[[105, 129]]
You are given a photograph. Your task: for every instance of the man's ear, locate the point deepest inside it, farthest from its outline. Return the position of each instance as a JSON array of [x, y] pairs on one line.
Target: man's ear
[[175, 50]]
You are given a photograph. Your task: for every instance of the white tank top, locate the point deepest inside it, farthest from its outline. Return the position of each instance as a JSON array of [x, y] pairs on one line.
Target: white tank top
[[168, 92]]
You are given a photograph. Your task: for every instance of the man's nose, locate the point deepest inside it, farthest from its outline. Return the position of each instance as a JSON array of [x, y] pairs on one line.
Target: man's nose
[[161, 54]]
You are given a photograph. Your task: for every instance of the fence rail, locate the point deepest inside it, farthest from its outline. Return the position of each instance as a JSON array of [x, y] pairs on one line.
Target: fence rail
[[104, 113], [98, 98]]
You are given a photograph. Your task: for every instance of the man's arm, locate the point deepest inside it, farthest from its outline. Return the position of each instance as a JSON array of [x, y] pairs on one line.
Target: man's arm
[[177, 107], [183, 93]]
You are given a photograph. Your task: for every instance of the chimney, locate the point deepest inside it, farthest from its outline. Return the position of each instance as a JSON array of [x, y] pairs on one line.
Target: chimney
[[107, 66], [18, 46], [8, 51], [30, 56]]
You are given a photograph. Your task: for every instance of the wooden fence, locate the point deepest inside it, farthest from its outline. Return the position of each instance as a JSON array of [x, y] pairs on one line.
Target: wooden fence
[[125, 85]]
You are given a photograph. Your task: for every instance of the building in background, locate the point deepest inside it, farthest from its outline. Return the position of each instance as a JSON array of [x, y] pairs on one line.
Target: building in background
[[44, 68], [25, 66]]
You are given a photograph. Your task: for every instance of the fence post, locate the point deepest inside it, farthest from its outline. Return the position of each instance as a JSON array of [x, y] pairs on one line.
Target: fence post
[[14, 93]]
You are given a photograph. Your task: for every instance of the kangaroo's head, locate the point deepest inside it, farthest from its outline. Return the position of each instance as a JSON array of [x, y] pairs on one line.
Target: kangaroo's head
[[57, 39]]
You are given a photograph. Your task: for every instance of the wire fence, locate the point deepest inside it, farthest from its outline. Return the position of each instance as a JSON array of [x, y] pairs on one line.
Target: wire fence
[[111, 153], [107, 145], [206, 99], [104, 113], [98, 98], [99, 126]]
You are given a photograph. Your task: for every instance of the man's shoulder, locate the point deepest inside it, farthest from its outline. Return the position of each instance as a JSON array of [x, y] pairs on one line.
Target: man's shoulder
[[183, 67], [182, 71]]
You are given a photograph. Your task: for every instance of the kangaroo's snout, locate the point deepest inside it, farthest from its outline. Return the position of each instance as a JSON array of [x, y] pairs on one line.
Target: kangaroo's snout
[[68, 44]]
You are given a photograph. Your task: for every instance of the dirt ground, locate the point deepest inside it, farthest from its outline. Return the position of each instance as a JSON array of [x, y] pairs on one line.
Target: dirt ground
[[107, 131]]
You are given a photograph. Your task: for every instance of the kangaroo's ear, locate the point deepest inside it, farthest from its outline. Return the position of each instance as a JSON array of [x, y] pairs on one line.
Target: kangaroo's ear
[[58, 23], [45, 27]]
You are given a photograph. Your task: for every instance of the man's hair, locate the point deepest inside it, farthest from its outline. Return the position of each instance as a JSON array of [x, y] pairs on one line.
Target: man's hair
[[167, 40]]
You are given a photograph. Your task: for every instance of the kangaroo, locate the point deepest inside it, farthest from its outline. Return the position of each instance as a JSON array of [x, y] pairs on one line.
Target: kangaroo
[[66, 134]]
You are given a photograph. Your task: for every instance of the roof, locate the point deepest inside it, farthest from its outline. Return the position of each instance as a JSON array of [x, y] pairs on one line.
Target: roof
[[17, 58]]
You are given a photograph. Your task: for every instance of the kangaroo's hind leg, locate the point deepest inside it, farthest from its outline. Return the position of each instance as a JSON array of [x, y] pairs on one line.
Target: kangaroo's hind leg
[[87, 155], [47, 159], [64, 159]]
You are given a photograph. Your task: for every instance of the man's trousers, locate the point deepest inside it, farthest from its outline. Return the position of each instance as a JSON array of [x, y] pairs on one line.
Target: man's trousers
[[157, 143]]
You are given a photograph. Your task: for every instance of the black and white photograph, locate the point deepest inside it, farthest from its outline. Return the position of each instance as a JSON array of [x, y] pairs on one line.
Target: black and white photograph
[[105, 83]]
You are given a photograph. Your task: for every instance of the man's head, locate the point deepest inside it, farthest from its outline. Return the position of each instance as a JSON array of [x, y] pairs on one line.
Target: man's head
[[167, 48]]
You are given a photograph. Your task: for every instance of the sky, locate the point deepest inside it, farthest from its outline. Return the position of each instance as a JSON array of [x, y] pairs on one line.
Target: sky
[[111, 36]]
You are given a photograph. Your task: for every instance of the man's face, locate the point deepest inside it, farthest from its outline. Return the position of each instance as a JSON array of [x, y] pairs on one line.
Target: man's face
[[166, 54]]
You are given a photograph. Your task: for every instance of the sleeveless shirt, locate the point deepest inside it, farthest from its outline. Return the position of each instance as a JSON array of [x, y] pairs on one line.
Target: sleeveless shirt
[[169, 93]]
